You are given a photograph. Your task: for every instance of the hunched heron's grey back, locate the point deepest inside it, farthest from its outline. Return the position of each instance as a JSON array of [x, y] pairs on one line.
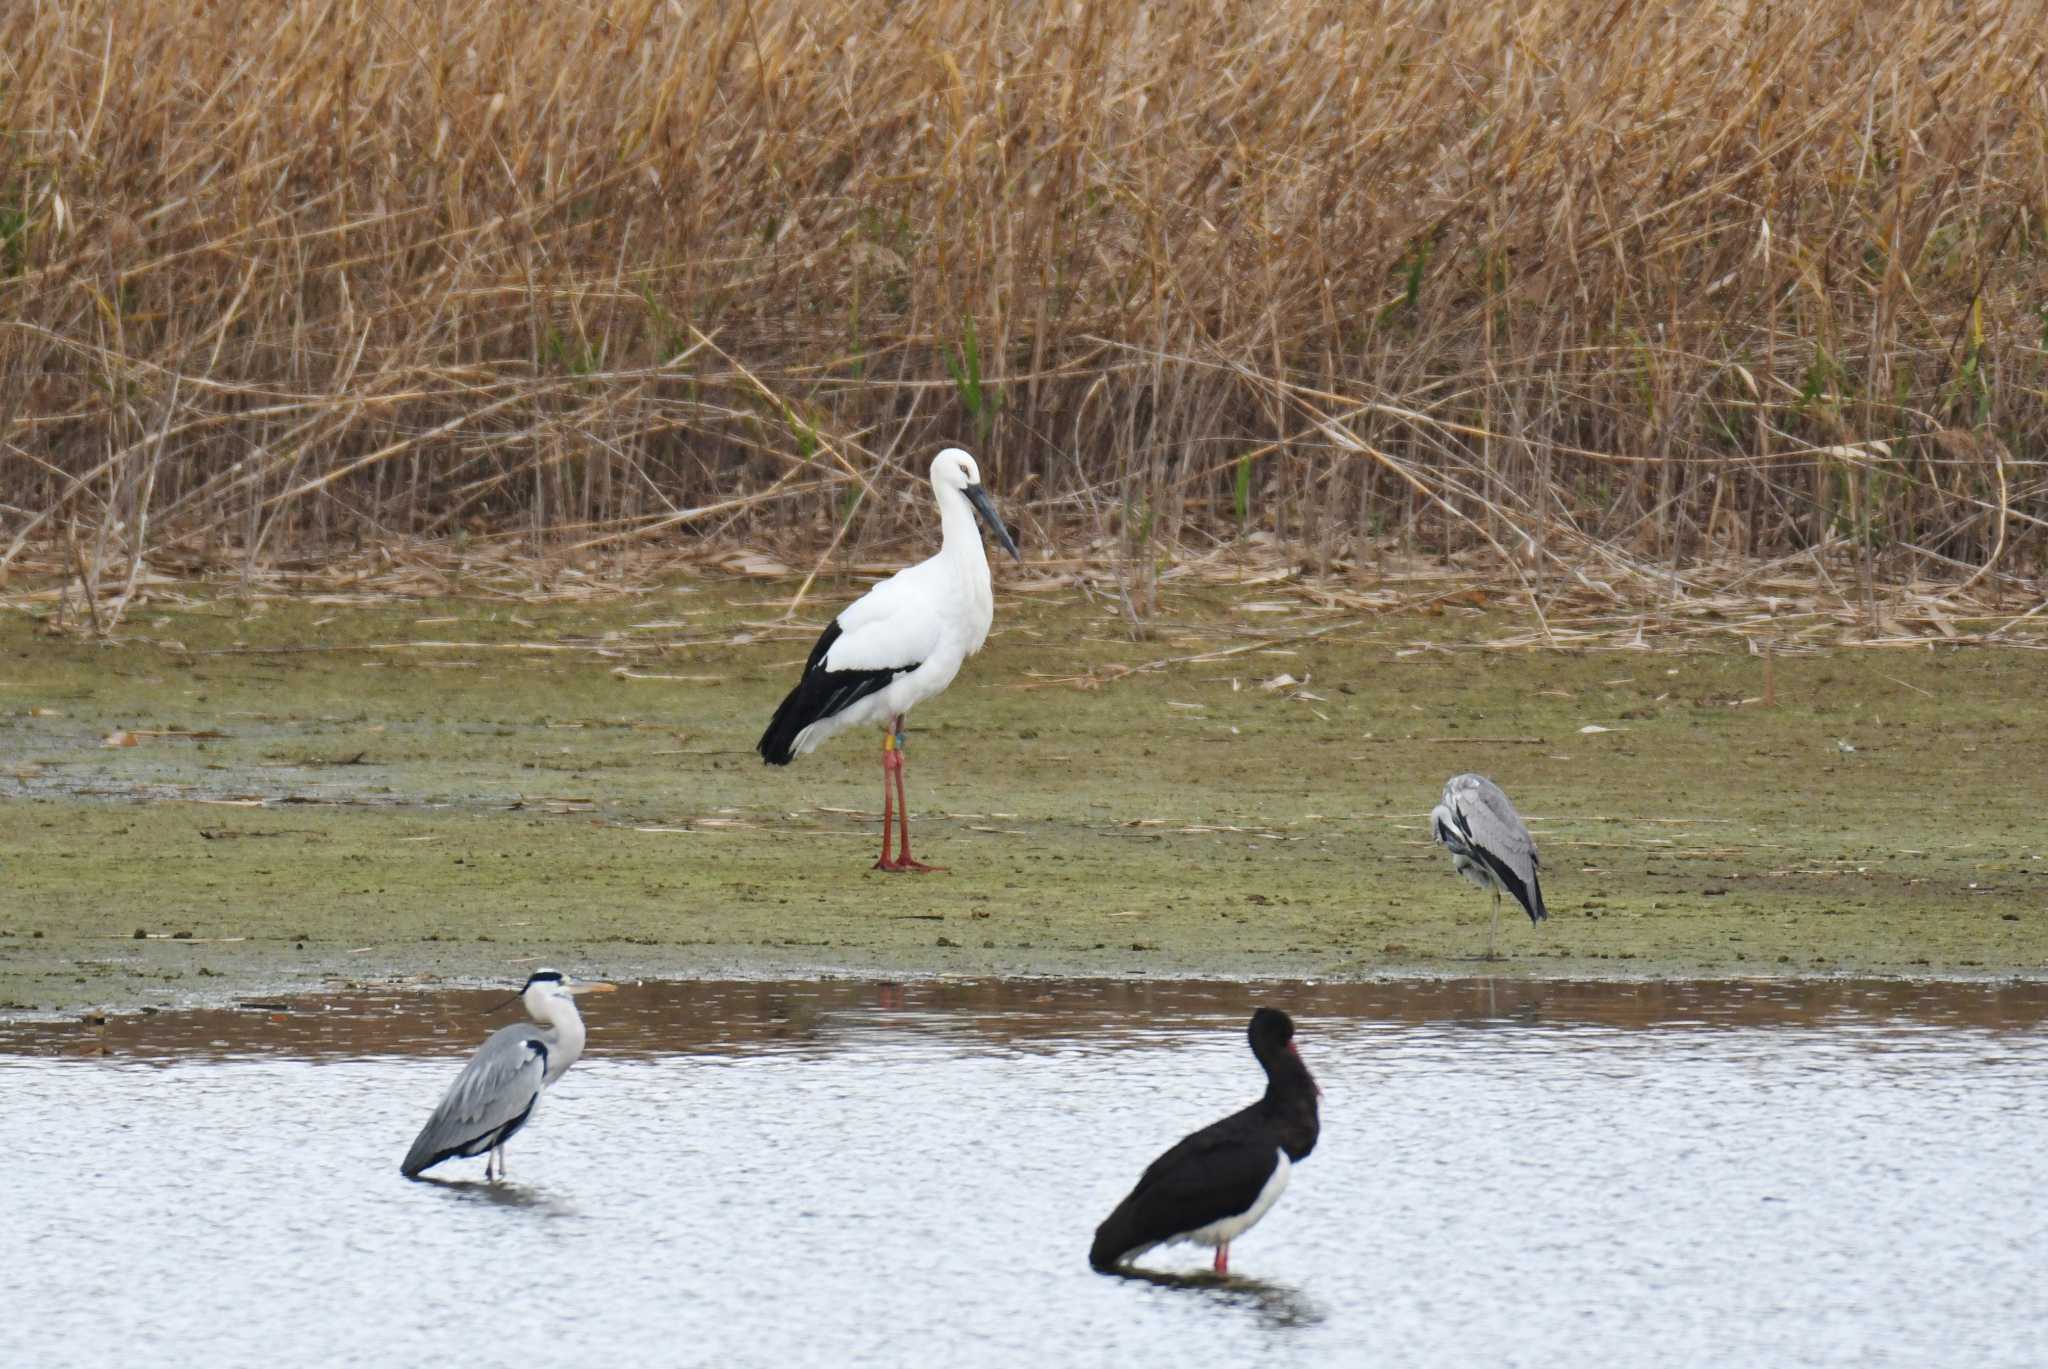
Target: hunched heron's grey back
[[1476, 820]]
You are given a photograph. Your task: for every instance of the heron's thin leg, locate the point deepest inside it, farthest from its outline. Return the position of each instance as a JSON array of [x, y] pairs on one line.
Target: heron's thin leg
[[904, 860], [890, 762], [1223, 1258], [1493, 929]]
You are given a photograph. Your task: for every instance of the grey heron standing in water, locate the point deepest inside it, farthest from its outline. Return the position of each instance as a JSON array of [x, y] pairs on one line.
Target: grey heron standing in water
[[496, 1092], [1489, 846]]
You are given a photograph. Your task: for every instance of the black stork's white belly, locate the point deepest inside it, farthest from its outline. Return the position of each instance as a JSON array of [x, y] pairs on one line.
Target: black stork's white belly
[[1219, 1182]]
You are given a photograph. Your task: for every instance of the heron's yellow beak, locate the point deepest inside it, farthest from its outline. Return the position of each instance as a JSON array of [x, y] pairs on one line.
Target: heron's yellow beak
[[592, 986]]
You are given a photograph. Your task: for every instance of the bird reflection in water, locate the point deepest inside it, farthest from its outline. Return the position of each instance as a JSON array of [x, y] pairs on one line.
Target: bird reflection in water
[[1275, 1306], [500, 1193]]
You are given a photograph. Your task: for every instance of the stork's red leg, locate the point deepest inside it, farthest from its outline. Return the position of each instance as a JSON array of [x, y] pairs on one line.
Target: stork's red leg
[[1223, 1258], [904, 860], [890, 765]]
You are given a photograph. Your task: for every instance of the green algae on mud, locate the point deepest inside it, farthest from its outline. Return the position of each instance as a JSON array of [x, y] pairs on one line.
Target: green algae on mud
[[456, 787]]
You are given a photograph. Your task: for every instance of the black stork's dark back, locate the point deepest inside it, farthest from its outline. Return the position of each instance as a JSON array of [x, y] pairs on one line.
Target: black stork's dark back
[[1219, 1171]]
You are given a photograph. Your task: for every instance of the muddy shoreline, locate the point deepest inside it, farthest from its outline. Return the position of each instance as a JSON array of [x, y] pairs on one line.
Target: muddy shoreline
[[265, 795]]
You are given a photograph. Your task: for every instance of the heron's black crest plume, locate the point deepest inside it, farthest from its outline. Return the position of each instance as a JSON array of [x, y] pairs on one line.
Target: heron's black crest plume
[[537, 977]]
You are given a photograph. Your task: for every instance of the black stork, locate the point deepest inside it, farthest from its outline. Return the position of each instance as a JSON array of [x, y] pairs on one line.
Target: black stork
[[1216, 1184]]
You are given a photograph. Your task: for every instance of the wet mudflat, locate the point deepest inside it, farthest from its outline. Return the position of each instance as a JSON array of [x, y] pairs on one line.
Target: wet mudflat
[[849, 1172], [323, 791]]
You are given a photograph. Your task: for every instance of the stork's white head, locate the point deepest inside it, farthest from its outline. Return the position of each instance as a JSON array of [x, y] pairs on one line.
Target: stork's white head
[[954, 471]]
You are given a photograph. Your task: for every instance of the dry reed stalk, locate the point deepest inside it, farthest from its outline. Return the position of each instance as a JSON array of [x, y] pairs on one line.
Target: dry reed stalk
[[1729, 600], [1604, 287]]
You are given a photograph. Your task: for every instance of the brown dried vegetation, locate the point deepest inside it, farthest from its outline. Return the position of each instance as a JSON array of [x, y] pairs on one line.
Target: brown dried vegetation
[[1661, 283]]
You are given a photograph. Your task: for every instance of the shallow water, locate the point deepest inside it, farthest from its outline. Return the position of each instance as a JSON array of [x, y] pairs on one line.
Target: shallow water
[[833, 1173]]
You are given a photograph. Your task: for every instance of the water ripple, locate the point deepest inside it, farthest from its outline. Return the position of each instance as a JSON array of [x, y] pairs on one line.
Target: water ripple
[[861, 1174]]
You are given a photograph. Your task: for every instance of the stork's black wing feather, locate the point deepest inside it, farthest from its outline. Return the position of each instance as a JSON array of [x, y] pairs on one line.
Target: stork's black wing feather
[[1215, 1173], [818, 695]]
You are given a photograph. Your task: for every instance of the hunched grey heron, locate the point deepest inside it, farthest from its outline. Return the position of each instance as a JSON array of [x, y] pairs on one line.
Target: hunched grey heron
[[497, 1090], [1489, 845], [899, 644]]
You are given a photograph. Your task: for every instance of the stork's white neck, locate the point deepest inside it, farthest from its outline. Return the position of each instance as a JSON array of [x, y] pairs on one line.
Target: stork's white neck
[[960, 535]]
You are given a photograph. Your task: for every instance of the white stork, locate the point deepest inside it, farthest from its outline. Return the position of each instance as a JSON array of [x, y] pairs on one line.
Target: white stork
[[1489, 845], [899, 644]]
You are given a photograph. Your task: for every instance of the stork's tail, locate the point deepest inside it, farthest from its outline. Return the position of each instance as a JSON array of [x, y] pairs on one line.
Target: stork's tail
[[778, 744], [1115, 1240]]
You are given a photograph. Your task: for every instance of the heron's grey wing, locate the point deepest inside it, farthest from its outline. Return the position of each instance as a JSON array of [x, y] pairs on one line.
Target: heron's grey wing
[[490, 1100], [1494, 830]]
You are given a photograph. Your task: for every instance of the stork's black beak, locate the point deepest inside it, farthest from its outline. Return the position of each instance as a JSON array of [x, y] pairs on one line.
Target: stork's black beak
[[986, 508]]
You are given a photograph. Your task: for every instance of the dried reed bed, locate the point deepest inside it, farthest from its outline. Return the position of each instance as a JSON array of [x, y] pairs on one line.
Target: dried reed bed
[[1599, 291]]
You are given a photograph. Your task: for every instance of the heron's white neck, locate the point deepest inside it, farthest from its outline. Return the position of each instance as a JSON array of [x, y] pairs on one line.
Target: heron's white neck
[[960, 535], [557, 1010]]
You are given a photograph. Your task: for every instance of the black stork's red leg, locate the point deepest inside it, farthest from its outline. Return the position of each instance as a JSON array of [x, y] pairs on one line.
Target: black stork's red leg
[[1217, 1183]]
